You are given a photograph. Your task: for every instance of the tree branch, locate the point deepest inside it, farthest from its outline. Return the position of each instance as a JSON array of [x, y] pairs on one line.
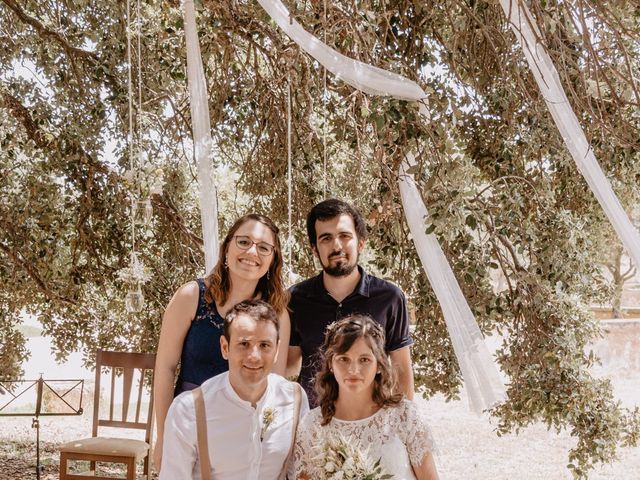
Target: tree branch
[[30, 271], [48, 33], [57, 37], [629, 273]]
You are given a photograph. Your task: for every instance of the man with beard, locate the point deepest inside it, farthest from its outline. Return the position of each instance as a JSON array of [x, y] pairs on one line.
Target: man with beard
[[337, 233]]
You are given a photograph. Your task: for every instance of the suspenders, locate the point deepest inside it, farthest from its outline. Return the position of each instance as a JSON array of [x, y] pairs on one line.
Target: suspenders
[[201, 428], [296, 417]]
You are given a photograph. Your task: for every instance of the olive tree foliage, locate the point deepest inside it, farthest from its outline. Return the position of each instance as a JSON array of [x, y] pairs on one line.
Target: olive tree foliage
[[505, 198], [64, 207]]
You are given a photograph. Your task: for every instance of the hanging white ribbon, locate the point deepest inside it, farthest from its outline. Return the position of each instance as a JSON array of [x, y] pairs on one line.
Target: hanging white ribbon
[[366, 78], [481, 377], [548, 81], [202, 142], [482, 382]]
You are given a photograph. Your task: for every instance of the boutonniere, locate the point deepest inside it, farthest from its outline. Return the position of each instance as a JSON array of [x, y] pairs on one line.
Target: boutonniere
[[268, 416]]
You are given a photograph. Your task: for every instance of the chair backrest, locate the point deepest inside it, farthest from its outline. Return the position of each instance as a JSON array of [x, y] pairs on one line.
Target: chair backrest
[[123, 365]]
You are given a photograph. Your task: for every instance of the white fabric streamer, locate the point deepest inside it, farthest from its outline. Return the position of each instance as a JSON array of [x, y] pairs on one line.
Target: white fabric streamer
[[565, 118], [482, 382], [481, 377], [366, 78], [201, 138]]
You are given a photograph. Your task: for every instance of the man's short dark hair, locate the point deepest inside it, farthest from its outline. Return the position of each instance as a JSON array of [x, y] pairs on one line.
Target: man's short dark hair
[[332, 208], [258, 310]]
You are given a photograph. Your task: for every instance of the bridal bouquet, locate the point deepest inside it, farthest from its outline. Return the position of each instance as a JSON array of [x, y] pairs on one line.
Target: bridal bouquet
[[341, 459]]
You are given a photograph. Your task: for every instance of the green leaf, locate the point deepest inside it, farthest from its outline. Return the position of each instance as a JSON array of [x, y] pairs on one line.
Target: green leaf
[[470, 221]]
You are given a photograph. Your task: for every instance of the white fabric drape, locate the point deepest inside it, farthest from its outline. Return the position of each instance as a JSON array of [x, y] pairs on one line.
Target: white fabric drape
[[481, 377], [202, 142], [546, 75], [367, 78]]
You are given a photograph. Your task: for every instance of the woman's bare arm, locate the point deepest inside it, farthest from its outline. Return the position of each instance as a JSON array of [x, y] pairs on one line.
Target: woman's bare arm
[[175, 325], [427, 468]]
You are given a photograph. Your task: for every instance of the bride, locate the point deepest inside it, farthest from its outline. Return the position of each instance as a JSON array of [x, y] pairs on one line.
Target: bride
[[361, 429]]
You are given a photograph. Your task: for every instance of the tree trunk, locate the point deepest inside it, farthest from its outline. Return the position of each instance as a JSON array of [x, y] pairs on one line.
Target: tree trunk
[[616, 301]]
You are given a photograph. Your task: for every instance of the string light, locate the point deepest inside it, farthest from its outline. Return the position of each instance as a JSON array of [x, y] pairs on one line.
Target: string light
[[140, 211], [324, 113]]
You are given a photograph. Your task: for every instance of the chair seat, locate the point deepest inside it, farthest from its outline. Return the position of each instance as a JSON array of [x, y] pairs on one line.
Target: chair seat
[[124, 447]]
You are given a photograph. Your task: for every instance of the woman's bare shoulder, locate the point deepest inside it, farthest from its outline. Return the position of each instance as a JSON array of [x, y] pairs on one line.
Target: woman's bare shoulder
[[189, 289]]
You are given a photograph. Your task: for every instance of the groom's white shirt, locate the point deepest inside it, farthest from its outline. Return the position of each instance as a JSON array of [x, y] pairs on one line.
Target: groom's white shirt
[[234, 429]]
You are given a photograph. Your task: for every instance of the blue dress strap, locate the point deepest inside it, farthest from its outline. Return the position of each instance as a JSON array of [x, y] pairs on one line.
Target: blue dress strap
[[201, 356]]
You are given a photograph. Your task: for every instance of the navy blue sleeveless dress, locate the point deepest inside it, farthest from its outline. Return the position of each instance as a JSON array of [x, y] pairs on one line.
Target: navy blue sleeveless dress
[[201, 358]]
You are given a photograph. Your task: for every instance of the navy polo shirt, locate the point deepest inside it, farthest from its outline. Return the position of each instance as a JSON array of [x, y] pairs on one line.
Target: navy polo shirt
[[312, 309]]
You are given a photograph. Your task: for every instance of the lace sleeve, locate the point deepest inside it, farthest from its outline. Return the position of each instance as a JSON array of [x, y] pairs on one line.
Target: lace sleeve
[[418, 437], [305, 440]]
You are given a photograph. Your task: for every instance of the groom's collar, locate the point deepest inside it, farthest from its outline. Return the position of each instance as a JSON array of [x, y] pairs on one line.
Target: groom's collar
[[235, 398]]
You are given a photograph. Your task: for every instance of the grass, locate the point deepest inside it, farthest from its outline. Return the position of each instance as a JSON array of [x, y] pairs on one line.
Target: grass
[[18, 462]]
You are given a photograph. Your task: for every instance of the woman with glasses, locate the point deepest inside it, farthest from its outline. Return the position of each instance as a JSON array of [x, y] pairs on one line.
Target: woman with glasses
[[362, 429], [249, 267]]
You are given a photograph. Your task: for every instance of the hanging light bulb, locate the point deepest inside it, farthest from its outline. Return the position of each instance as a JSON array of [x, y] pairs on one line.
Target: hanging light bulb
[[142, 211], [158, 182], [291, 277], [147, 213], [136, 266], [134, 301]]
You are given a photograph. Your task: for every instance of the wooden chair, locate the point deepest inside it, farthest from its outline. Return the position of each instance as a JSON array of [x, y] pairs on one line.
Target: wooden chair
[[115, 450]]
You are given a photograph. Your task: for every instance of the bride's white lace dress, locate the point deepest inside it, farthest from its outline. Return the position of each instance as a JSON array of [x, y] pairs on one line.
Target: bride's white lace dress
[[398, 436]]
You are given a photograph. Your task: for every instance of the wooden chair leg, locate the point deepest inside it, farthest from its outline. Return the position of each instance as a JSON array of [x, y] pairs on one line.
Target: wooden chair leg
[[129, 463], [92, 467], [63, 466], [146, 466], [131, 468]]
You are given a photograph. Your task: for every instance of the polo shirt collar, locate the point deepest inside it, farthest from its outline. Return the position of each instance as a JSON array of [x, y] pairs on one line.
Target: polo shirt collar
[[361, 289]]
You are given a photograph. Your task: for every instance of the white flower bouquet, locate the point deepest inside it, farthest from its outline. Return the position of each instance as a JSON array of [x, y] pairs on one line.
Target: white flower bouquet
[[340, 459]]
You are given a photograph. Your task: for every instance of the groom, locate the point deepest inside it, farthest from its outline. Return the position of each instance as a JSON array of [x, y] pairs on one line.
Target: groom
[[249, 416]]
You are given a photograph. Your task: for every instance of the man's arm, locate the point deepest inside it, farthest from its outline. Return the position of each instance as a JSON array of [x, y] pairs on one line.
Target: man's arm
[[294, 353], [294, 361], [179, 452], [401, 363]]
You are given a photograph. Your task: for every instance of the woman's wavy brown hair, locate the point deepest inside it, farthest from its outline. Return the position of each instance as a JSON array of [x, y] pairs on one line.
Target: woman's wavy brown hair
[[270, 287], [338, 339]]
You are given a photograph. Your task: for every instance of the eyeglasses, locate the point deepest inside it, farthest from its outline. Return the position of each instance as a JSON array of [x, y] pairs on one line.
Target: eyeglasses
[[243, 242]]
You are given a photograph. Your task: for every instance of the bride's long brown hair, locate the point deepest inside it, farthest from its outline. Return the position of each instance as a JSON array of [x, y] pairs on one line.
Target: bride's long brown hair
[[338, 339]]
